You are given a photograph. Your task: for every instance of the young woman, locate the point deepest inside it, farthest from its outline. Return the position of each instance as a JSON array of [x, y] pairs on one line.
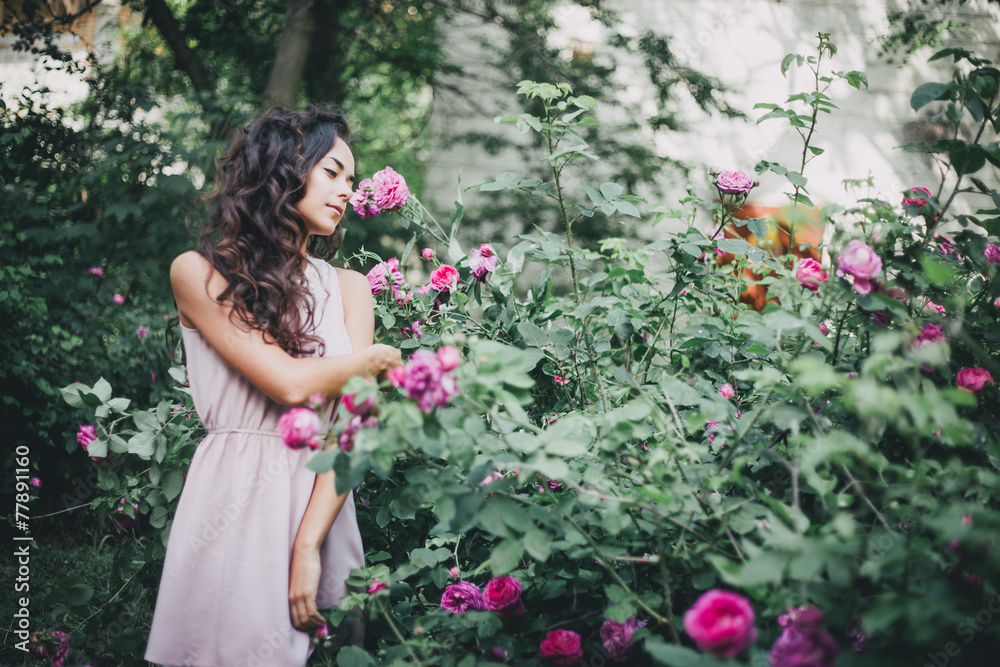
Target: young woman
[[259, 542]]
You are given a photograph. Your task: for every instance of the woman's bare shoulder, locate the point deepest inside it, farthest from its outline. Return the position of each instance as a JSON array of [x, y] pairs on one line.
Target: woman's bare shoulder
[[195, 282], [352, 282]]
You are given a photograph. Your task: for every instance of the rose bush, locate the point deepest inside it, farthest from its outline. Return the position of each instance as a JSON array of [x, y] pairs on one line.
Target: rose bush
[[639, 464]]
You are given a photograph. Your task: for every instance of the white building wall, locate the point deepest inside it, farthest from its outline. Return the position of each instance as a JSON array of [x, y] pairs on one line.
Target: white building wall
[[742, 43]]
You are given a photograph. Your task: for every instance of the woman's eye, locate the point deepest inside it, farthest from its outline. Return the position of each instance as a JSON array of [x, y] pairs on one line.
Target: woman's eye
[[332, 173]]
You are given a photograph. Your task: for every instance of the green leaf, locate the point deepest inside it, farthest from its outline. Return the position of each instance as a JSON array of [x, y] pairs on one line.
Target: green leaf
[[627, 208], [73, 394], [938, 272], [734, 246], [758, 227], [146, 421], [352, 656], [506, 556], [671, 654], [534, 336], [927, 93], [142, 444], [594, 195], [173, 481], [611, 190], [103, 390]]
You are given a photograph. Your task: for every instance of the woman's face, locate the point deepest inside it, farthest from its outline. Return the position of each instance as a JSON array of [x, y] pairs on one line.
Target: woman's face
[[328, 189]]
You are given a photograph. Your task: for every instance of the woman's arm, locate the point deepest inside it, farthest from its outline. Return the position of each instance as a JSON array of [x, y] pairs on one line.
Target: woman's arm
[[324, 504], [286, 379]]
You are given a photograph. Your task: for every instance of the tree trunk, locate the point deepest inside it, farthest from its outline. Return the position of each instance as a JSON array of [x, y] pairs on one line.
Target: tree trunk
[[285, 79], [187, 60], [324, 72]]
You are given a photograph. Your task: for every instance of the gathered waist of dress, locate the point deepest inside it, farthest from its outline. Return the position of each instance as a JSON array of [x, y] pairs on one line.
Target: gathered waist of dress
[[243, 431]]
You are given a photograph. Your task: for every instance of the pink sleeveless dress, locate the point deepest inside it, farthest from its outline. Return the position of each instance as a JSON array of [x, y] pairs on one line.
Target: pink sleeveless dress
[[223, 599]]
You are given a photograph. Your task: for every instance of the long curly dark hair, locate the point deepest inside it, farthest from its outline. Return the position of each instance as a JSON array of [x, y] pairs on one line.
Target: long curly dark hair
[[255, 234]]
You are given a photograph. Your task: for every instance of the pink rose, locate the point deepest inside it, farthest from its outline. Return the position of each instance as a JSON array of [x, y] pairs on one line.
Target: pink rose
[[377, 585], [391, 192], [559, 380], [616, 637], [449, 358], [427, 254], [917, 197], [811, 274], [396, 376], [503, 594], [444, 278], [121, 516], [35, 482], [424, 289], [482, 261], [462, 596], [974, 379], [561, 647], [734, 182], [142, 332], [721, 623], [323, 631], [363, 200], [727, 390], [930, 305], [402, 298], [413, 330], [299, 427], [86, 435], [824, 328], [96, 271], [454, 572], [377, 278], [316, 400], [992, 254], [860, 262], [362, 408], [118, 298]]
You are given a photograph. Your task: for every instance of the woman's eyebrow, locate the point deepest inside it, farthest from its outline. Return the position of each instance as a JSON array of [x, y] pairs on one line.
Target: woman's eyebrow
[[341, 165]]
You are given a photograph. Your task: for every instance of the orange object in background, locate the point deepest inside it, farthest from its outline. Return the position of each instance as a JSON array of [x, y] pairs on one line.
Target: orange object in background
[[808, 235]]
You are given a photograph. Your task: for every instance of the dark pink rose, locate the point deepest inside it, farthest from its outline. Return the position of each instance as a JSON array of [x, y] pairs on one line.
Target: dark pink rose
[[118, 298], [482, 261], [860, 262], [804, 648], [462, 596], [96, 271], [346, 439], [454, 573], [932, 333], [503, 594], [427, 254], [804, 618], [396, 376], [616, 637], [721, 623], [35, 482], [391, 192], [974, 379], [734, 182], [377, 585], [918, 197], [363, 200], [323, 631], [992, 254], [426, 382], [121, 514], [444, 278], [561, 647], [727, 390], [299, 427], [811, 274]]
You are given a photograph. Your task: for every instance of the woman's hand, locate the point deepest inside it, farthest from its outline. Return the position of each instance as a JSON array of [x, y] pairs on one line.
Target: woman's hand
[[381, 358], [303, 585]]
